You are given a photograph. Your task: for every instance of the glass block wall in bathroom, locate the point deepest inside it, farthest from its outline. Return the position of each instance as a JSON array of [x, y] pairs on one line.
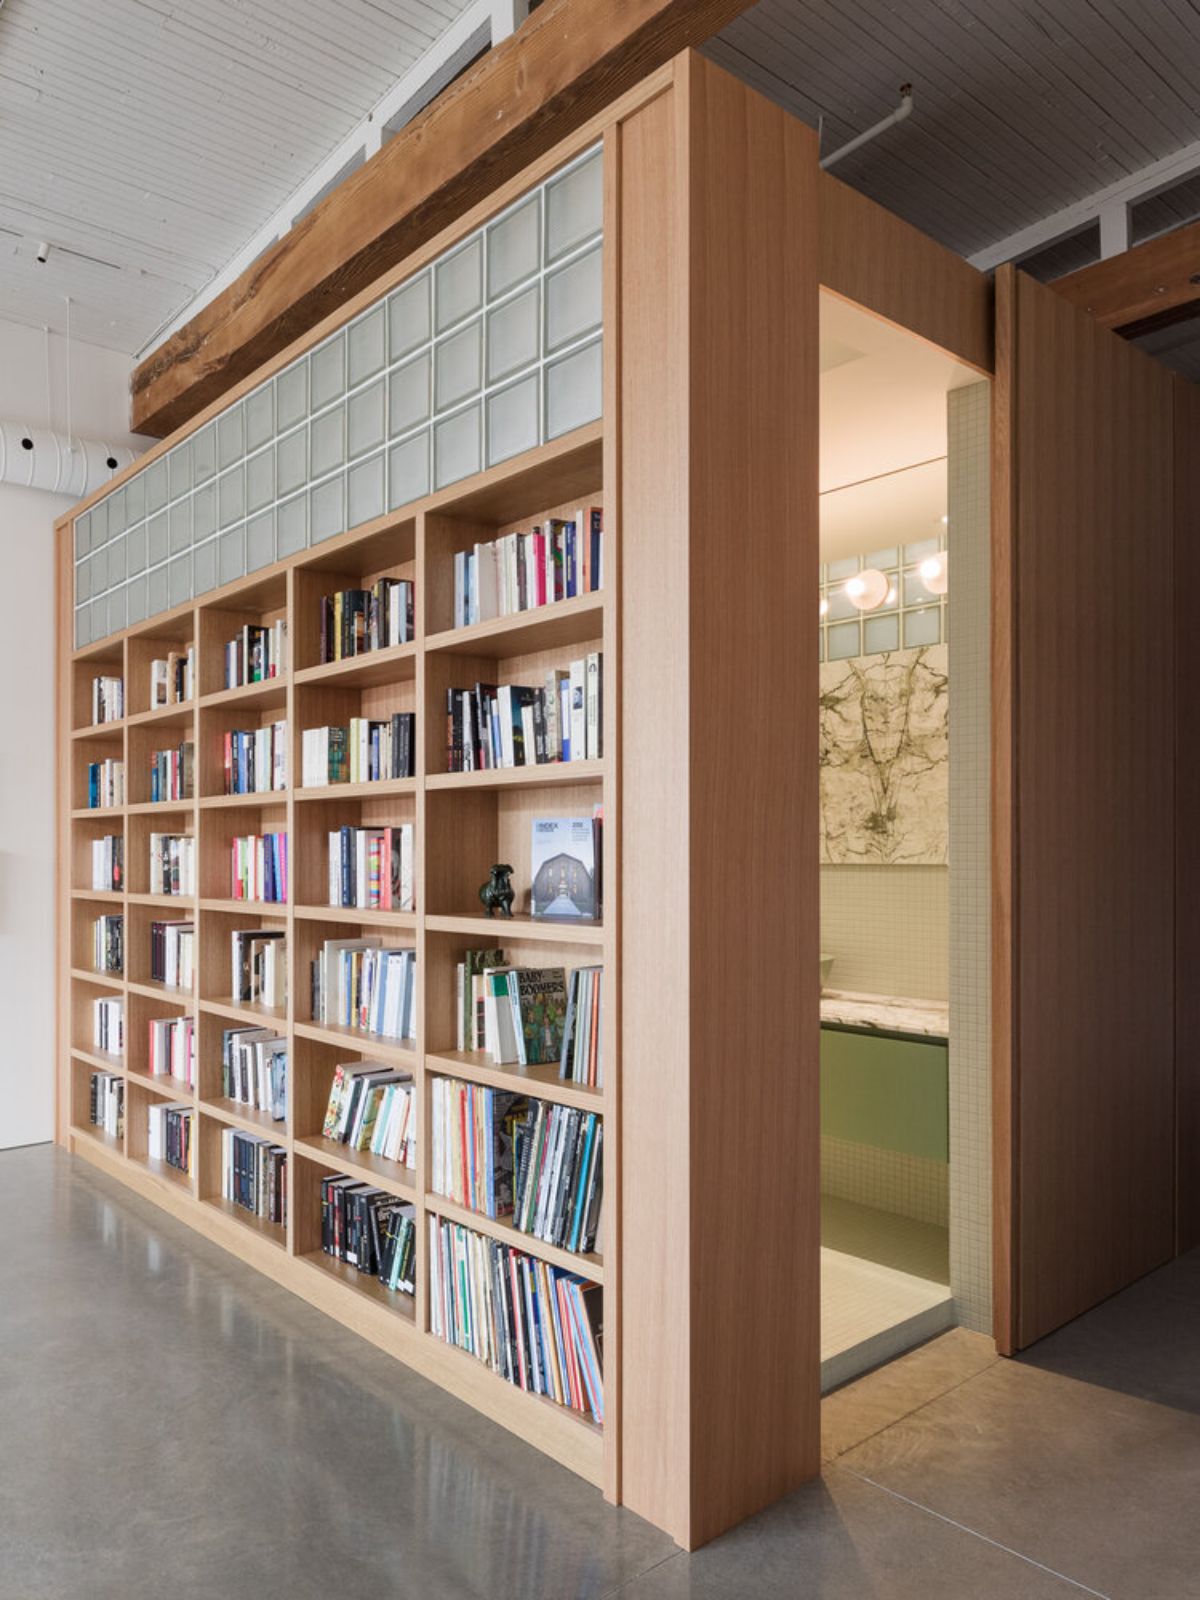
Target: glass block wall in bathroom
[[492, 349], [910, 615]]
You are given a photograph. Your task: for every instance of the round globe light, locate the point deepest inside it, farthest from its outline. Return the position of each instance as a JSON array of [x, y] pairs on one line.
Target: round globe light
[[867, 590], [935, 573]]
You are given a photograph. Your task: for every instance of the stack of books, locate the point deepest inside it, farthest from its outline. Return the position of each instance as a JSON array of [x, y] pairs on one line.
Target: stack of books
[[173, 773], [172, 863], [169, 1135], [356, 983], [354, 621], [525, 725], [256, 654], [106, 1105], [106, 784], [108, 699], [361, 751], [554, 560], [173, 1048], [254, 760], [109, 946], [259, 867], [254, 1174], [108, 862], [372, 1108], [371, 868], [108, 1026], [173, 953], [259, 966], [371, 1230], [254, 1070], [173, 678]]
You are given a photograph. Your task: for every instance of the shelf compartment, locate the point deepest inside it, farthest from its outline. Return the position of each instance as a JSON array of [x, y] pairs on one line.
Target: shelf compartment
[[85, 991], [589, 1266], [311, 1170], [110, 664], [169, 817], [84, 834], [89, 745], [157, 642], [311, 868], [219, 828], [355, 1041], [246, 1015], [209, 1174], [271, 692], [85, 1130], [248, 1118], [219, 720], [274, 1233], [389, 552], [556, 626], [362, 1282], [80, 1109], [323, 704], [259, 604], [83, 918], [139, 920], [390, 1175]]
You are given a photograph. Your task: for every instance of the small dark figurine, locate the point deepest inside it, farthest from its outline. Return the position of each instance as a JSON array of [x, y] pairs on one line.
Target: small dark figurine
[[497, 892]]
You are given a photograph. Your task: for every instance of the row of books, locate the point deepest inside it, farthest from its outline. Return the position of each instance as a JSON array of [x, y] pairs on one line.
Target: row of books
[[173, 773], [582, 1058], [254, 1174], [108, 862], [371, 868], [173, 954], [354, 621], [259, 867], [108, 1026], [531, 1016], [254, 760], [108, 934], [173, 678], [365, 750], [371, 1230], [105, 784], [372, 1108], [172, 863], [254, 1069], [537, 1326], [108, 699], [169, 1135], [256, 654], [106, 1103], [555, 560], [259, 966], [493, 726], [356, 983], [173, 1048]]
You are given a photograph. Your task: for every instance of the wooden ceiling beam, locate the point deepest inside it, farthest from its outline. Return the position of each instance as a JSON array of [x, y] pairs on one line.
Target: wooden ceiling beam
[[566, 62], [1150, 286]]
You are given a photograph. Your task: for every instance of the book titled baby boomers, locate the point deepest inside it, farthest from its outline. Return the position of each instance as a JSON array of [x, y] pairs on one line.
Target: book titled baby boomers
[[564, 868]]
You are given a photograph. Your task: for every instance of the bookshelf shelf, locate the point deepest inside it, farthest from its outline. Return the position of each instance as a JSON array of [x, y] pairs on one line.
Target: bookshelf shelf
[[179, 714], [223, 802], [368, 1044], [550, 627], [165, 1172], [361, 1283], [256, 908], [501, 929], [112, 729], [153, 990], [161, 1083], [249, 1015], [380, 789], [110, 980], [587, 1266], [245, 1117], [358, 916], [103, 1060], [366, 671], [107, 1141], [541, 1083], [389, 1175], [108, 897], [160, 808], [180, 902], [551, 774], [271, 692], [91, 813], [273, 1233]]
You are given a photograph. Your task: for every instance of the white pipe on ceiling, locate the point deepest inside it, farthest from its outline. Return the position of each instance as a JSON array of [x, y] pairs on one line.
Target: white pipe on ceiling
[[39, 458], [902, 111]]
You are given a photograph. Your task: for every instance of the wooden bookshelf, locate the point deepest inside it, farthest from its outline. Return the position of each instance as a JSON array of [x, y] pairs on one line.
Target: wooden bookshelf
[[705, 463]]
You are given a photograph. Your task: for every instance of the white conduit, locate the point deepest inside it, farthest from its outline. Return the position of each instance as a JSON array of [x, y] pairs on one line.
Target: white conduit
[[39, 458]]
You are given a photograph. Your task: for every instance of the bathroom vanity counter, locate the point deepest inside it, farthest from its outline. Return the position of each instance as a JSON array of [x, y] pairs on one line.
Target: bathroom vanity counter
[[885, 1014]]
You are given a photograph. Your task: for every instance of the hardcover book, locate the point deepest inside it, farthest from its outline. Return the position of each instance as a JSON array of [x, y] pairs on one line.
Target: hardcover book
[[563, 868]]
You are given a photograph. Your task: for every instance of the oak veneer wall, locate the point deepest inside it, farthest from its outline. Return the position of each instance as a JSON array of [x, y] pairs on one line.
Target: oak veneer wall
[[1187, 809], [718, 401], [1083, 716]]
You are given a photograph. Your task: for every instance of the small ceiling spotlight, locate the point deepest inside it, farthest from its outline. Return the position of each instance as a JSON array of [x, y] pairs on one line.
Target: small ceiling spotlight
[[867, 590], [43, 254], [935, 573]]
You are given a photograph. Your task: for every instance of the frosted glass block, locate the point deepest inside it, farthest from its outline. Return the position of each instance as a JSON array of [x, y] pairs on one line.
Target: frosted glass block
[[116, 513], [841, 606], [573, 390], [327, 441], [408, 470], [181, 526], [231, 496], [260, 541], [179, 579], [83, 627], [204, 453], [231, 555], [364, 419], [843, 641], [260, 480], [573, 301], [260, 417], [83, 582], [327, 509], [83, 534], [456, 447], [574, 207], [883, 559], [291, 395], [408, 400], [179, 469], [458, 284], [135, 600], [408, 317], [157, 539], [291, 461], [921, 549], [116, 560], [156, 487], [915, 592], [98, 582], [365, 489], [512, 419], [923, 627], [366, 340], [156, 591], [327, 373], [231, 437], [458, 366], [820, 644], [881, 633], [204, 512], [99, 610], [514, 247], [845, 568], [135, 499], [99, 524], [512, 334], [204, 567], [291, 526], [116, 609]]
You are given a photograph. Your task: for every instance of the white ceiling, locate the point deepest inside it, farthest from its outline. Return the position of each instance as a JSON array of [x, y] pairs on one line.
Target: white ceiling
[[883, 431], [156, 136]]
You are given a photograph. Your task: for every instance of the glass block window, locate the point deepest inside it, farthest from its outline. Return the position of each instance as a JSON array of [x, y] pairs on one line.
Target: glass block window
[[492, 349], [910, 615]]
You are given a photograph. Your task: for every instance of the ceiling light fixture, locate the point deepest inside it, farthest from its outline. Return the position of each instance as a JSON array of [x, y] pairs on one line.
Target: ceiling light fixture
[[867, 590], [935, 573]]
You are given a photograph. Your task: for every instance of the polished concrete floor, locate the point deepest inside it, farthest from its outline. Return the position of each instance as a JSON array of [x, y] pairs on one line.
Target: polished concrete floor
[[173, 1426]]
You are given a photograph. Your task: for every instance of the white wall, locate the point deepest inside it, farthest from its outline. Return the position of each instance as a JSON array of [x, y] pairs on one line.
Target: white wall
[[99, 395]]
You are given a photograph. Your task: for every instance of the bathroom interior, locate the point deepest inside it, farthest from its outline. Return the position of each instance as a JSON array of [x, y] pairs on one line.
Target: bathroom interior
[[904, 696]]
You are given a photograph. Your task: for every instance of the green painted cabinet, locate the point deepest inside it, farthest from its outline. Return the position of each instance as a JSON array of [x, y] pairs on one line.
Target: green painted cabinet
[[891, 1093]]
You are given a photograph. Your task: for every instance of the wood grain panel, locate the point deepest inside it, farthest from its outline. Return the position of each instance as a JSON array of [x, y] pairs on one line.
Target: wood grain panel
[[1091, 835], [872, 257], [1150, 286], [1187, 809]]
